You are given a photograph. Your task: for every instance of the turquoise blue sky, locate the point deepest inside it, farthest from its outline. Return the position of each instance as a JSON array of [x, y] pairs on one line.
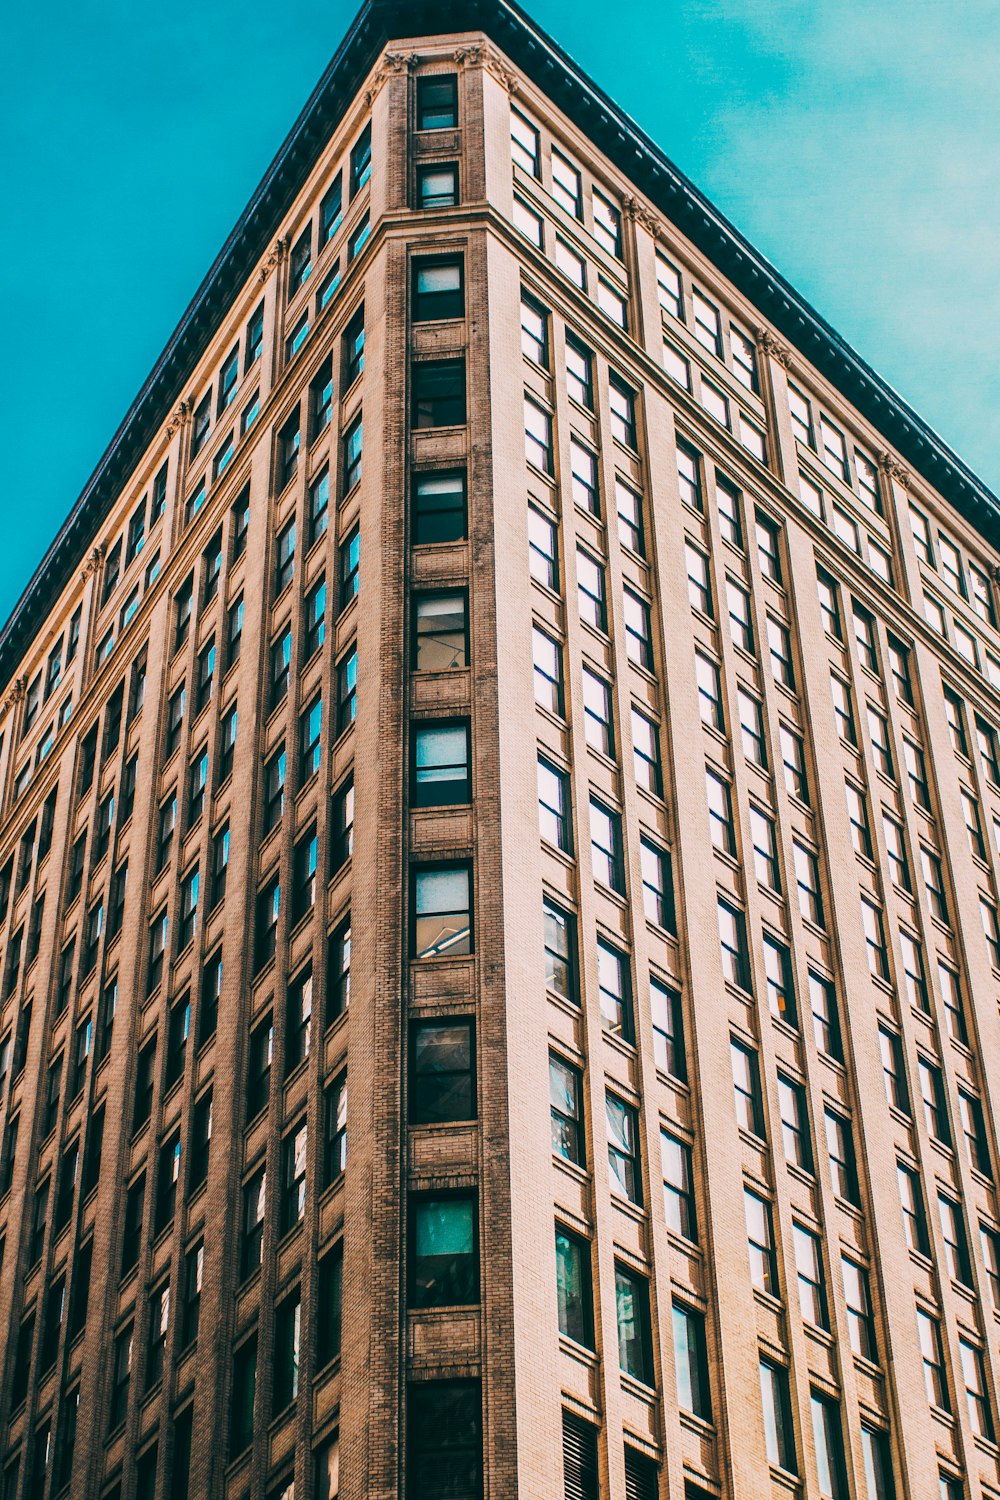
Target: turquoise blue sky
[[857, 144]]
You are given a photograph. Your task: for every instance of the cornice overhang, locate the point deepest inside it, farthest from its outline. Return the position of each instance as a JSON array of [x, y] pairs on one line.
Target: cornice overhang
[[619, 138]]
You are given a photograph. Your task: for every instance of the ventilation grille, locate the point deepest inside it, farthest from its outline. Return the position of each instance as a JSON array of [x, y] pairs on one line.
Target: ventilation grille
[[580, 1458]]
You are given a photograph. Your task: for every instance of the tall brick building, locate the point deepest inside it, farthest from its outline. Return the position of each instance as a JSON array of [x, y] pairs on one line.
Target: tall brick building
[[499, 942]]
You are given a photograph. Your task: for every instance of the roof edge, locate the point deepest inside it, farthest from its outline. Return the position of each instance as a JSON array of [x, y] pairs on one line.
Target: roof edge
[[621, 140]]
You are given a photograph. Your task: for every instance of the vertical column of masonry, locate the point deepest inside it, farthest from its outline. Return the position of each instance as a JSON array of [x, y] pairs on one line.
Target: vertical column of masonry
[[872, 1122], [372, 1352], [733, 1340], [210, 1436], [524, 1324], [115, 1157]]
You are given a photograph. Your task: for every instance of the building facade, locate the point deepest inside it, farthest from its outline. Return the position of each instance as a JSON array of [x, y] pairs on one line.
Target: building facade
[[499, 940]]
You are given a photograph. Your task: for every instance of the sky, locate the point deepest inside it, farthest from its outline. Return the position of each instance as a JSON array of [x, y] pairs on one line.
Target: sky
[[857, 145]]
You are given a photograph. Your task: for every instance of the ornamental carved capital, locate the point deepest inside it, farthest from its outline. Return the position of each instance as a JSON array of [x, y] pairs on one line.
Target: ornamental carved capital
[[392, 62], [468, 57], [15, 693], [496, 65], [772, 346], [633, 209], [94, 559], [275, 256], [179, 417], [893, 469], [994, 572]]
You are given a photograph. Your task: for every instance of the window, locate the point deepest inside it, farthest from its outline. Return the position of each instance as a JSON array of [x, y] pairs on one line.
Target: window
[[728, 503], [970, 1111], [720, 812], [807, 881], [733, 945], [699, 583], [274, 789], [623, 1149], [560, 951], [444, 1253], [678, 1186], [261, 1053], [583, 477], [361, 160], [359, 235], [342, 825], [527, 221], [744, 358], [440, 632], [354, 347], [635, 1351], [437, 186], [330, 1306], [244, 1397], [318, 508], [554, 813], [760, 1240], [768, 547], [951, 996], [579, 372], [353, 442], [840, 1151], [591, 592], [315, 619], [580, 1470], [691, 1361], [857, 815], [893, 1070], [765, 850], [913, 972], [956, 1244], [780, 990], [779, 1433], [657, 886], [989, 1240], [234, 632], [534, 331], [121, 1375], [795, 1124], [227, 744], [780, 648], [878, 958], [442, 911], [707, 326], [443, 1083], [266, 927], [537, 436], [347, 690], [178, 1031], [350, 566], [709, 692], [304, 859], [740, 617], [439, 509], [746, 1085], [622, 402], [898, 657], [828, 1440], [548, 677], [444, 1438], [911, 1202], [638, 633], [281, 667], [441, 764], [669, 287], [211, 995], [566, 188], [437, 101], [193, 1276], [934, 884], [573, 1288], [524, 144], [294, 1148], [614, 984], [668, 1030], [606, 857], [598, 725], [932, 1355], [977, 1401]]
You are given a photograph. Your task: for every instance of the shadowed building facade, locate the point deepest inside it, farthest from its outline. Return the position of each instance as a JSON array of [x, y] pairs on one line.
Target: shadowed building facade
[[499, 940]]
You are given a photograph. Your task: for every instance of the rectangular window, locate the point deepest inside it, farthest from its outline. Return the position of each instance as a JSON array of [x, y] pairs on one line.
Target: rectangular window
[[566, 1110], [606, 855], [573, 1288], [780, 989], [646, 754], [765, 850], [635, 1344], [828, 1440], [795, 1124], [439, 508], [443, 1076], [911, 1202], [733, 945], [440, 632], [534, 331], [621, 399], [361, 160], [442, 911], [699, 583], [740, 616], [560, 951], [956, 1244], [779, 1433], [354, 347], [720, 812], [678, 1187], [524, 144], [548, 675], [342, 825], [760, 1241], [440, 764], [444, 1439], [709, 692], [614, 982], [350, 566], [638, 631], [353, 444], [554, 812], [623, 1149], [746, 1086], [347, 690], [840, 1151], [444, 1251], [584, 485], [668, 1030], [437, 186], [932, 1355], [591, 592], [691, 1361], [537, 436], [437, 101], [579, 372], [807, 881], [657, 886]]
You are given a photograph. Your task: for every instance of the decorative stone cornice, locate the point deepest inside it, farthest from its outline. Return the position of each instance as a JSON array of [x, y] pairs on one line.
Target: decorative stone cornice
[[633, 209], [772, 346], [275, 256], [392, 62], [893, 469], [94, 559], [180, 415]]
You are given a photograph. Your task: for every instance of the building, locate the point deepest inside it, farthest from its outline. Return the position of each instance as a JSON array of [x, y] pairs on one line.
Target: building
[[499, 919]]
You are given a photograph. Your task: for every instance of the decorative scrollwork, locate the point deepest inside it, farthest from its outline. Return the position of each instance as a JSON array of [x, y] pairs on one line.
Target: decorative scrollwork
[[633, 209], [275, 256], [771, 345], [94, 559], [891, 466]]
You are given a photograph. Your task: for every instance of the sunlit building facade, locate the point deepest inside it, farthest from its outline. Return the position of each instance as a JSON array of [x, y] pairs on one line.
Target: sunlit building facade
[[499, 938]]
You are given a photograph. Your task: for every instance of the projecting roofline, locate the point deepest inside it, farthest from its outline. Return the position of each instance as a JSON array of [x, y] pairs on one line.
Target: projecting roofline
[[620, 139]]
